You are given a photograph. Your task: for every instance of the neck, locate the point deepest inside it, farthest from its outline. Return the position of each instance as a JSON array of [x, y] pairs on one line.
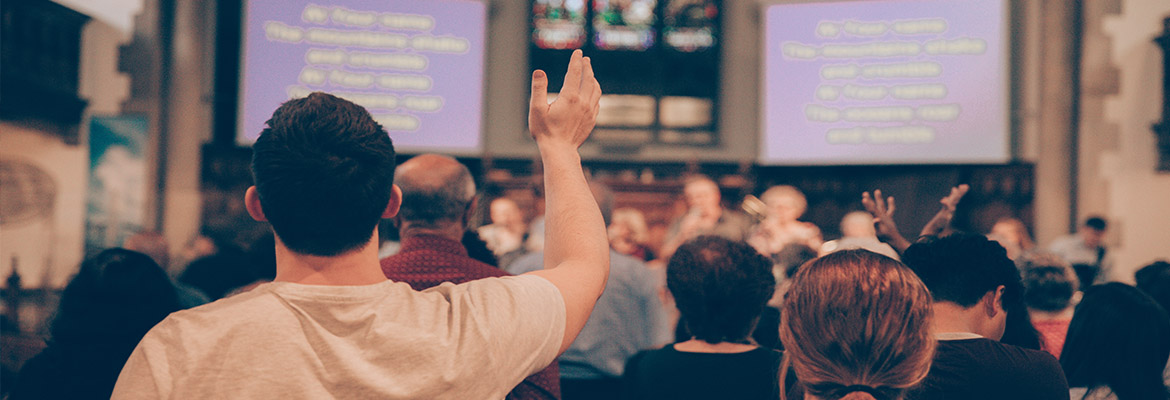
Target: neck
[[450, 231], [699, 346], [356, 267], [1041, 315], [953, 318]]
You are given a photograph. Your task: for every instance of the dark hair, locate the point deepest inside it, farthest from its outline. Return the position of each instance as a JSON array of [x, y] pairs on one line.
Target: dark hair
[[430, 200], [720, 287], [1018, 329], [1154, 279], [116, 297], [477, 249], [1048, 288], [324, 171], [216, 275], [1097, 223], [961, 268], [1119, 338]]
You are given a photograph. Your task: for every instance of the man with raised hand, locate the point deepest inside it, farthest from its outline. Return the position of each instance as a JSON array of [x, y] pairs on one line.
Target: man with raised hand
[[332, 325]]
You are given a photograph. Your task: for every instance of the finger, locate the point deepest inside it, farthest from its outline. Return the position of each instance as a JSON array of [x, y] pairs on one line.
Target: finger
[[572, 84], [879, 201], [588, 89], [890, 206], [539, 100]]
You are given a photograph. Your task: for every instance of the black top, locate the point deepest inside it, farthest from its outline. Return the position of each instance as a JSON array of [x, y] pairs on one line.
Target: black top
[[667, 373], [987, 369], [68, 373]]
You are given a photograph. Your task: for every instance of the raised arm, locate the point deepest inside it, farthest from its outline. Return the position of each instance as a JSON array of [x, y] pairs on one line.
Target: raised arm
[[942, 220], [882, 210], [576, 252]]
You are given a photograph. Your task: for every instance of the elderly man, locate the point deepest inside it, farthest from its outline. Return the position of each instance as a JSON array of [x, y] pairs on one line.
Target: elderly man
[[438, 199]]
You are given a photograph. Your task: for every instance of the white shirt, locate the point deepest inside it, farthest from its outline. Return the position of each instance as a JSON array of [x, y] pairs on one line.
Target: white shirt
[[283, 340]]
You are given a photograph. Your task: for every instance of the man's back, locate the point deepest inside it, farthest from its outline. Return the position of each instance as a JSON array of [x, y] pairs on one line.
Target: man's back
[[980, 368], [427, 261], [286, 340]]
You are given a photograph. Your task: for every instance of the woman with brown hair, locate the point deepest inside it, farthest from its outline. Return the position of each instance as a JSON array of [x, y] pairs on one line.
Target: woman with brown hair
[[856, 325]]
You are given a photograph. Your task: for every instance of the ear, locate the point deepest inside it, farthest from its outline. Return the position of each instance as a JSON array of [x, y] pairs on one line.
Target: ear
[[394, 203], [470, 211], [252, 203], [992, 302]]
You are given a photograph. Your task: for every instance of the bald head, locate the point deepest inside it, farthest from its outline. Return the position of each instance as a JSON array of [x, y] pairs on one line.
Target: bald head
[[437, 191]]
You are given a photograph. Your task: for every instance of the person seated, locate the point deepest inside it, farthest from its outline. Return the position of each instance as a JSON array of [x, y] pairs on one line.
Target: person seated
[[856, 325], [116, 297], [705, 216], [1013, 235], [331, 325], [628, 234], [438, 200], [720, 287], [858, 233], [974, 286], [1050, 291], [1117, 345], [629, 317], [781, 225]]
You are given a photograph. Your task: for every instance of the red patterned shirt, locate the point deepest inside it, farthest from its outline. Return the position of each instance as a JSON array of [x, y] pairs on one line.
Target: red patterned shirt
[[426, 261]]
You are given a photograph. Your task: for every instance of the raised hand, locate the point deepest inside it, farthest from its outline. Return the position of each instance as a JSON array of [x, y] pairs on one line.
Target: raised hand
[[571, 117], [882, 210], [942, 220]]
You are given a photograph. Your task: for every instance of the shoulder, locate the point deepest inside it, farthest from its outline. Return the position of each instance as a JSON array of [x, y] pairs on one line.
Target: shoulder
[[1026, 367]]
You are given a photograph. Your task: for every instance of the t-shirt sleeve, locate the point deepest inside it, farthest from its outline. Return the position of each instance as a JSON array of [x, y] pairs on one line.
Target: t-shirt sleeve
[[518, 320]]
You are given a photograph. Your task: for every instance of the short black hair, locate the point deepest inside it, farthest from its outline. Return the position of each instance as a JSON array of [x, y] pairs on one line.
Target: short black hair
[[961, 268], [1097, 223], [324, 171], [720, 287]]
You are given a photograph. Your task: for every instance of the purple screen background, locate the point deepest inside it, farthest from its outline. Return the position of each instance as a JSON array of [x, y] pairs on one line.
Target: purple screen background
[[269, 68], [978, 83]]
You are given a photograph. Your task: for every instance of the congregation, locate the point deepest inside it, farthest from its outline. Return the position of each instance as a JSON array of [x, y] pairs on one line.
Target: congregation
[[577, 304]]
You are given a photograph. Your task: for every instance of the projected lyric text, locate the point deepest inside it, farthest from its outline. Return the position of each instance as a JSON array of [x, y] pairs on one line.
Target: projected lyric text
[[881, 82], [378, 60]]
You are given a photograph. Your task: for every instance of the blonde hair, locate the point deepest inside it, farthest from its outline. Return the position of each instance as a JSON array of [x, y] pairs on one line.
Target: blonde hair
[[855, 323]]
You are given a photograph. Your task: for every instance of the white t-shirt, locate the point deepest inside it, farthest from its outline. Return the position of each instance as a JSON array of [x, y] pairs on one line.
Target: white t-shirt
[[284, 341]]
